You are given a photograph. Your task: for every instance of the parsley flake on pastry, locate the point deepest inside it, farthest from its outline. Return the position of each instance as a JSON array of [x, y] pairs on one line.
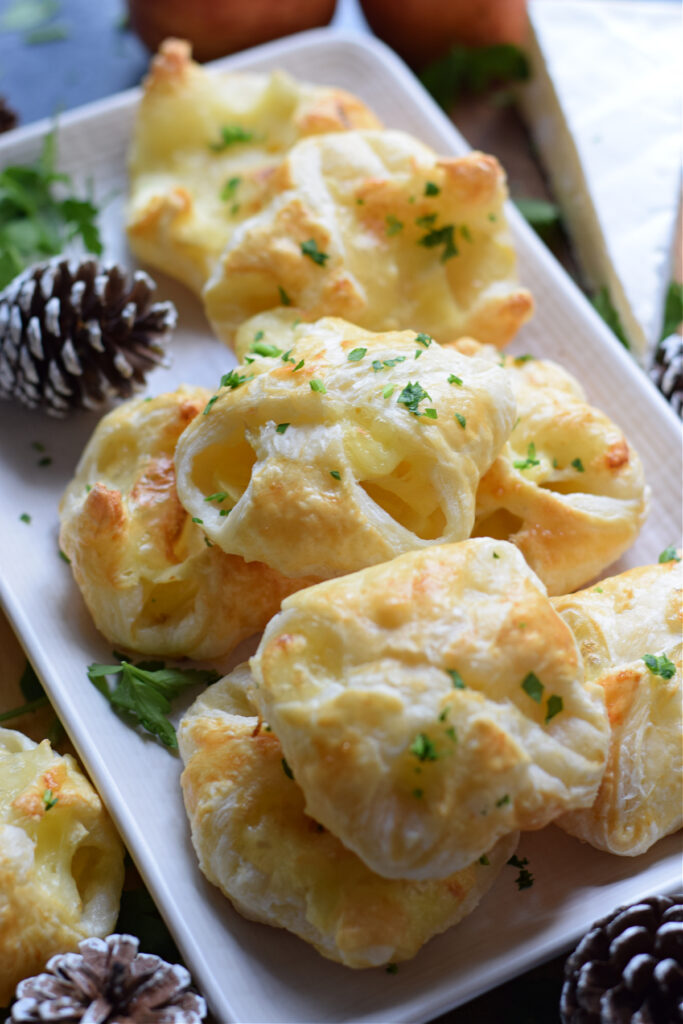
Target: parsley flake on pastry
[[278, 866], [204, 146], [61, 860], [342, 448], [352, 229], [446, 671], [567, 489], [629, 629], [151, 581]]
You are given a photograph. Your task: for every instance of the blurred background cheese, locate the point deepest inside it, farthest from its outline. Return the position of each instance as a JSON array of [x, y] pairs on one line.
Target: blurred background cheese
[[604, 108]]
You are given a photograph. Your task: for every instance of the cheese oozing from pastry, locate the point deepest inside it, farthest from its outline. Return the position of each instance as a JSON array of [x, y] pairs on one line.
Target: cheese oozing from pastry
[[150, 580], [203, 148], [430, 705], [376, 228], [342, 448], [279, 866], [629, 629], [61, 860]]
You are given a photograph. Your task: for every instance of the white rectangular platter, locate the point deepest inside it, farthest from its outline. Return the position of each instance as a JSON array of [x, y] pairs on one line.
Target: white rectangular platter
[[248, 972]]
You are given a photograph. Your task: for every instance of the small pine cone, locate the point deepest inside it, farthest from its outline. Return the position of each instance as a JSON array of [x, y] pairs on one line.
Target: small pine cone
[[628, 969], [108, 982], [667, 370], [75, 334]]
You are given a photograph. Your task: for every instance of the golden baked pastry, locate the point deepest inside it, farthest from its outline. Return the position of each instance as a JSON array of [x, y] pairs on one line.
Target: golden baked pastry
[[61, 860], [343, 449], [430, 705], [278, 866], [567, 489], [202, 150], [621, 625], [376, 228], [152, 581]]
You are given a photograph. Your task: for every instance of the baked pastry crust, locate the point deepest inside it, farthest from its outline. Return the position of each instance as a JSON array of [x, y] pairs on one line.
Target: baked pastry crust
[[325, 466], [430, 705], [580, 501], [149, 578], [615, 624], [278, 866], [182, 209], [374, 227], [61, 860]]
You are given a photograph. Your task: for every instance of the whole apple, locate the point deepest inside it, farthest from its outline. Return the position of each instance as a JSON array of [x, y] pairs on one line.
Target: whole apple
[[218, 27], [421, 30]]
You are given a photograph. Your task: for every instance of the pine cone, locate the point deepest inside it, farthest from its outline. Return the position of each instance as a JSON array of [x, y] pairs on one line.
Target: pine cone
[[108, 982], [667, 370], [628, 969], [75, 334]]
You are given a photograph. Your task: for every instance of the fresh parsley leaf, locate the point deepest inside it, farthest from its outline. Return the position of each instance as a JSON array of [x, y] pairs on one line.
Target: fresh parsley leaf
[[146, 693], [423, 748], [431, 414], [458, 681], [229, 135], [229, 188], [393, 225], [336, 474], [461, 419], [553, 707], [281, 427], [660, 665], [284, 297], [298, 365], [317, 385], [530, 459], [441, 236], [668, 555], [473, 70], [234, 379], [578, 465], [424, 339], [454, 379], [310, 249], [503, 801], [673, 309], [533, 687], [388, 391], [25, 517], [218, 496], [524, 879], [392, 362], [431, 189], [262, 348], [603, 305], [411, 396], [209, 405], [355, 355]]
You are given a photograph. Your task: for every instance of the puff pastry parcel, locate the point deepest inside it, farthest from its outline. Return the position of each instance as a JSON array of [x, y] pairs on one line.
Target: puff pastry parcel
[[61, 860], [568, 489], [341, 448], [430, 705], [630, 631], [203, 148], [277, 865], [376, 228], [151, 580]]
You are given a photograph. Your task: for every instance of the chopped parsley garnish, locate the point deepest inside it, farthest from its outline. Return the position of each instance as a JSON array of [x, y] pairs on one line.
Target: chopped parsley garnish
[[209, 543], [597, 590], [64, 557], [426, 220], [553, 707], [431, 414], [209, 405], [418, 794], [454, 379], [503, 800], [317, 385], [287, 356], [281, 427], [669, 555], [431, 189], [450, 732], [411, 396], [443, 715], [660, 666], [388, 391], [377, 365], [526, 358], [394, 361], [457, 679], [441, 236], [49, 799], [196, 519], [25, 517], [145, 692], [262, 348], [336, 474], [524, 879], [219, 496], [423, 748], [578, 465], [424, 339], [234, 379], [533, 687], [355, 355], [224, 511], [229, 189], [286, 769], [530, 459], [461, 419], [298, 366], [393, 225], [284, 297], [310, 249], [484, 860], [229, 135], [465, 232]]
